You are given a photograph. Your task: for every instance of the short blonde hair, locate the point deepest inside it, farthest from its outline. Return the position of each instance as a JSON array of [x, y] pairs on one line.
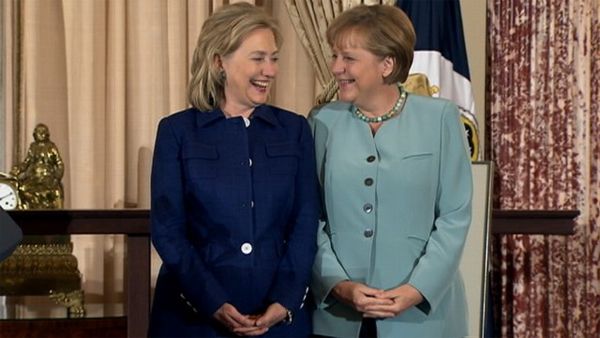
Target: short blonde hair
[[383, 30], [222, 34]]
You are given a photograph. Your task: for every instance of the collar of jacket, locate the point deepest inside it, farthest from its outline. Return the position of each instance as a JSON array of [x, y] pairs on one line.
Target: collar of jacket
[[263, 112]]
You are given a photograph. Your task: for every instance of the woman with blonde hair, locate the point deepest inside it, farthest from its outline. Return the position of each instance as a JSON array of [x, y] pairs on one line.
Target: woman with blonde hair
[[234, 193], [396, 179]]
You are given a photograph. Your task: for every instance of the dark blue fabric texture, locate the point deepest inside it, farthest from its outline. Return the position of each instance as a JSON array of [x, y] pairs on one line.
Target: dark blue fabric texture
[[218, 185]]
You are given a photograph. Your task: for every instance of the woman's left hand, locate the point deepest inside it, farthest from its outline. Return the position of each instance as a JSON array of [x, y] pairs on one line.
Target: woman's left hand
[[403, 297], [274, 314]]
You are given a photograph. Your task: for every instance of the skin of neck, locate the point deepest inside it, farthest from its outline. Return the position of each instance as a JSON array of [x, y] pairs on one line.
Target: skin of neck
[[381, 101]]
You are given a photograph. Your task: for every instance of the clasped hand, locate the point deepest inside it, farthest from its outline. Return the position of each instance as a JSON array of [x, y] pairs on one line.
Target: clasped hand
[[250, 325], [376, 303]]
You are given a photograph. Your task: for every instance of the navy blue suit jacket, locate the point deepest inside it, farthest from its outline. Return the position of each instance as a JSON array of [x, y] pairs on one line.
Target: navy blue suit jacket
[[234, 218]]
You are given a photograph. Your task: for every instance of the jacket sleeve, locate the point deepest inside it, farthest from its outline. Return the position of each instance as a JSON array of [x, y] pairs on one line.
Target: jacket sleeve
[[327, 270], [293, 276], [442, 255], [168, 220]]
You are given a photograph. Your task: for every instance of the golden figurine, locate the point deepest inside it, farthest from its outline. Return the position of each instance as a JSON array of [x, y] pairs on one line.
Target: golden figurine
[[418, 83], [73, 301], [40, 174], [41, 265]]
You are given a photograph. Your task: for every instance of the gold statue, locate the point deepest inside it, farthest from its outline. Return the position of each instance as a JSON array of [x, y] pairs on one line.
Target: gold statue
[[72, 300], [42, 265], [40, 174], [418, 83]]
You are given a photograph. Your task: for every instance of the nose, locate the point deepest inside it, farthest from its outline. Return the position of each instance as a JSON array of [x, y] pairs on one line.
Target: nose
[[270, 69], [336, 66]]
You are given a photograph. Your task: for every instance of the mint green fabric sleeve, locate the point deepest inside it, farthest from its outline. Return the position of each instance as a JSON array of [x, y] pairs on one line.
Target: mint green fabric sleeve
[[442, 256]]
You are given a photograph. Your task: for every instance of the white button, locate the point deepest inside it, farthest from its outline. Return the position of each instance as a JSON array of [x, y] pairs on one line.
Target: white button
[[251, 204], [246, 121], [250, 161], [246, 248]]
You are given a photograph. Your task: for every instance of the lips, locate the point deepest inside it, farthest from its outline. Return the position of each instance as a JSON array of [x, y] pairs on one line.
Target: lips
[[260, 84], [344, 83]]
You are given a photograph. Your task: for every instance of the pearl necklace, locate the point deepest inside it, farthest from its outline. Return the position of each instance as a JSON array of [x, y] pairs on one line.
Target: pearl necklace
[[395, 110]]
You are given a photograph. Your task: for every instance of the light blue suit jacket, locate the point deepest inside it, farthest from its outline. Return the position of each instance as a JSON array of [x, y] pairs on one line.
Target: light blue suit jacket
[[398, 208]]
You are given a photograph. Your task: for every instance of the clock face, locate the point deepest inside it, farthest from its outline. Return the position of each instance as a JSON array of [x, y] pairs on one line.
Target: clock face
[[8, 197]]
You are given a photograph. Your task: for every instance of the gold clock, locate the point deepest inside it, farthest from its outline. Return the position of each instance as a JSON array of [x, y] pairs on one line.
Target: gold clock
[[9, 192]]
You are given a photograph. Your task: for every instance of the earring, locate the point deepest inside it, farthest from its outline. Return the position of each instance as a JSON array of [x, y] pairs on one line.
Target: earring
[[222, 75]]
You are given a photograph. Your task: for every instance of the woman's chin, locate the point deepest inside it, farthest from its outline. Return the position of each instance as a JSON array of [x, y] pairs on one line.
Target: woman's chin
[[346, 98], [258, 100]]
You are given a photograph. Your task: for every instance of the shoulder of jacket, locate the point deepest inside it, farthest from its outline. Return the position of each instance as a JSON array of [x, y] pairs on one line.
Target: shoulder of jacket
[[429, 101], [284, 114], [182, 116], [329, 112], [428, 106]]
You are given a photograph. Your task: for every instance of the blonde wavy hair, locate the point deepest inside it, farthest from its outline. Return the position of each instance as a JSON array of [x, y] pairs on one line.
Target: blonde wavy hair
[[222, 34]]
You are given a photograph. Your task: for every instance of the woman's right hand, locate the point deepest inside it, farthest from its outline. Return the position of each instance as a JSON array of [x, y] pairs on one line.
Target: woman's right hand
[[359, 296], [230, 317]]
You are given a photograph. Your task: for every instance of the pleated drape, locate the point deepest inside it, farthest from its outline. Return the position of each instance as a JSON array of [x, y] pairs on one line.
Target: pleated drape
[[545, 135], [101, 74], [310, 19]]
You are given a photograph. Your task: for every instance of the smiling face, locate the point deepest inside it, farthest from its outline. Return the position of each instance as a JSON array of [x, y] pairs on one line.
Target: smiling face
[[360, 73], [250, 71]]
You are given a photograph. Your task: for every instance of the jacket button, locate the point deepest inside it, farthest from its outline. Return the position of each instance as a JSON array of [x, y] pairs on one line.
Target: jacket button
[[368, 181], [246, 248], [371, 158], [246, 121], [249, 162], [368, 208], [368, 233]]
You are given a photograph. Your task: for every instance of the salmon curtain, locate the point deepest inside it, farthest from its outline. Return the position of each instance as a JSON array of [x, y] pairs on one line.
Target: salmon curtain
[[310, 19], [101, 74]]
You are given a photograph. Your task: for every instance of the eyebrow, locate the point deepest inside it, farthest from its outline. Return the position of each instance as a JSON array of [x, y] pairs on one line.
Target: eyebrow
[[262, 52], [343, 51]]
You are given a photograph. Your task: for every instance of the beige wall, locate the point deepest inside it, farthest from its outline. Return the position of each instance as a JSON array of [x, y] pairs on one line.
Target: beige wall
[[475, 28]]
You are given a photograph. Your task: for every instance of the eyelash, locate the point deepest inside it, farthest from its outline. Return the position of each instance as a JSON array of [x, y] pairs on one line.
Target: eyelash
[[274, 59], [345, 58]]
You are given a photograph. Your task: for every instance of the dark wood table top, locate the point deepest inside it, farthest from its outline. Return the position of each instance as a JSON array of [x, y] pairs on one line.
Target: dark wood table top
[[137, 221], [534, 222]]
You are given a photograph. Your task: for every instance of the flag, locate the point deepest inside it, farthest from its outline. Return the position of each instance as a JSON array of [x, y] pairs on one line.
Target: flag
[[441, 55]]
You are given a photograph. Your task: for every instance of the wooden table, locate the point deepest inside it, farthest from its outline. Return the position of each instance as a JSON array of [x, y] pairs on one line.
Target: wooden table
[[534, 222], [134, 223]]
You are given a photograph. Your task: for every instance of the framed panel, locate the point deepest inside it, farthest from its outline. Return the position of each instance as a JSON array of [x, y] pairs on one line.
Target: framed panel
[[475, 259]]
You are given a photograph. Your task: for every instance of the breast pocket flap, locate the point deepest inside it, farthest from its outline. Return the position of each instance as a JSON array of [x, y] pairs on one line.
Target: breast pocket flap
[[282, 149], [417, 156], [282, 158]]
